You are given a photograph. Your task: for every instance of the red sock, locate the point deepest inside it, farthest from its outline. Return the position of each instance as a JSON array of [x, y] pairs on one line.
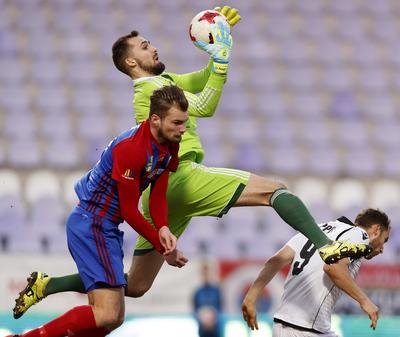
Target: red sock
[[97, 332], [78, 319]]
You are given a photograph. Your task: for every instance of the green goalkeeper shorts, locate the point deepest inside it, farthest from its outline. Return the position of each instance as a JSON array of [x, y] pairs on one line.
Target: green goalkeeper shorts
[[195, 190]]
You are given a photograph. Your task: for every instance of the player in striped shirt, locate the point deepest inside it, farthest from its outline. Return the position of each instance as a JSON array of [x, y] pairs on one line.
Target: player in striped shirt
[[195, 189], [312, 288], [108, 194]]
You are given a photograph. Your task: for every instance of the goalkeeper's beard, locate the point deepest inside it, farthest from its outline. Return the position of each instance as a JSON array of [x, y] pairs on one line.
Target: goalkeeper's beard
[[155, 69]]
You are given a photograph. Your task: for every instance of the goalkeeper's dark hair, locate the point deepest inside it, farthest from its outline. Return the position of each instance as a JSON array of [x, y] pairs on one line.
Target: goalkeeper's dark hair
[[120, 49], [371, 216], [164, 98]]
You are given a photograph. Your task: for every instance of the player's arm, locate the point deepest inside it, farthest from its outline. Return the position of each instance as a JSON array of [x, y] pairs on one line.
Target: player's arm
[[159, 211], [340, 276], [193, 82], [129, 195], [273, 265]]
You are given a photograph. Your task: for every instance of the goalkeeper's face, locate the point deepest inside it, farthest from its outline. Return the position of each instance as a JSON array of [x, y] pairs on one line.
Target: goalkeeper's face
[[146, 56]]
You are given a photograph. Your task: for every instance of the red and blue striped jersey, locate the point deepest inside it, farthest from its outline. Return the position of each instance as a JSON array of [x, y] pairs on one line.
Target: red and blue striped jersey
[[133, 158]]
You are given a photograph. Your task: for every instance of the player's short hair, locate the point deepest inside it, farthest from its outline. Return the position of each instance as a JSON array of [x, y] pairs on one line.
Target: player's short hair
[[120, 50], [371, 216], [164, 98]]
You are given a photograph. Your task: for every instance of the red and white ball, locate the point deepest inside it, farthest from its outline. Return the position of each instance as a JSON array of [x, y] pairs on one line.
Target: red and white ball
[[201, 25]]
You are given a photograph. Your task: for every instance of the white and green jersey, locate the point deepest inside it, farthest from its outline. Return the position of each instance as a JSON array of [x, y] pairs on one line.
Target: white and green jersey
[[202, 89]]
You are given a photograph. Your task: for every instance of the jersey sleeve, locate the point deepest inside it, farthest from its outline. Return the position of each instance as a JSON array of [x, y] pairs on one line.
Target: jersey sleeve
[[192, 82], [126, 165], [205, 103], [128, 200]]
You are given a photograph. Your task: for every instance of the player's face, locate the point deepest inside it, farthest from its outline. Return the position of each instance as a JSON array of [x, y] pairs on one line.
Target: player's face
[[146, 56], [173, 125], [378, 242]]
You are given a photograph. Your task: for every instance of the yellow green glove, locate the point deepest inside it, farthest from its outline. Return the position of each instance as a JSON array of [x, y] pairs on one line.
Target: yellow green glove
[[232, 14]]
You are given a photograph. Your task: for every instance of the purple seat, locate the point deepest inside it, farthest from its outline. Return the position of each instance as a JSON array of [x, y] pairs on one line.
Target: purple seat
[[307, 105], [293, 51], [46, 71], [345, 106], [87, 99], [12, 70], [335, 76], [301, 77], [322, 161], [390, 163], [242, 129], [250, 157], [19, 125], [360, 163], [77, 46], [217, 156], [15, 99], [329, 53], [351, 134], [94, 125], [12, 220], [278, 132], [310, 7], [42, 43], [272, 104], [285, 160], [366, 54], [82, 72], [235, 101], [56, 126], [24, 153], [387, 135], [265, 78], [380, 107], [62, 152], [351, 29], [315, 133], [52, 100], [378, 8], [343, 8]]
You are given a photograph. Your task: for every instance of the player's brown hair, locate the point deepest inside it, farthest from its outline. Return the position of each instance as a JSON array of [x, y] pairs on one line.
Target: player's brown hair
[[371, 216], [164, 98], [120, 49]]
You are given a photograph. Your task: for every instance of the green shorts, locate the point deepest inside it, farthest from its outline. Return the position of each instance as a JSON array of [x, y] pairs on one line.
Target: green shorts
[[196, 190]]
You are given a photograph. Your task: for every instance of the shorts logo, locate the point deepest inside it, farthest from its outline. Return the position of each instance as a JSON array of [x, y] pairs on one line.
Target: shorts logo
[[128, 174]]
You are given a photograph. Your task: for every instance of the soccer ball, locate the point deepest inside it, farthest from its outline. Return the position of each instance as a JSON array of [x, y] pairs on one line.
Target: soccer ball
[[201, 24]]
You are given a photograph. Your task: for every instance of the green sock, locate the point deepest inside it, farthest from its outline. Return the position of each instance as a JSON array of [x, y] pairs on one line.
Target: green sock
[[65, 283], [292, 210]]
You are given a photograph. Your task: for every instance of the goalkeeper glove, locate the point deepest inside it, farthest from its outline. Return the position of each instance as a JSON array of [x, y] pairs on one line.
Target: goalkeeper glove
[[232, 14], [219, 50]]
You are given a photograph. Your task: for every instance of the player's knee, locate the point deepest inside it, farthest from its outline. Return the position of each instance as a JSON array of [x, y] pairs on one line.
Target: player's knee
[[113, 319], [279, 185]]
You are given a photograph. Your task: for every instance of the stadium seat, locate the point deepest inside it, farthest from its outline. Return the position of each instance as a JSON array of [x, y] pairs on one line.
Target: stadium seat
[[348, 193]]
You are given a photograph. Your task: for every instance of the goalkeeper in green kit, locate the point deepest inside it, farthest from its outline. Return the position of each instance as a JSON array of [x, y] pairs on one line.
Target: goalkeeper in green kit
[[194, 189]]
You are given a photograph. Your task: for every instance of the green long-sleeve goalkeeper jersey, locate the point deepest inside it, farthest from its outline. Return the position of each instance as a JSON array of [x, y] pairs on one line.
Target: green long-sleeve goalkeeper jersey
[[202, 90]]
